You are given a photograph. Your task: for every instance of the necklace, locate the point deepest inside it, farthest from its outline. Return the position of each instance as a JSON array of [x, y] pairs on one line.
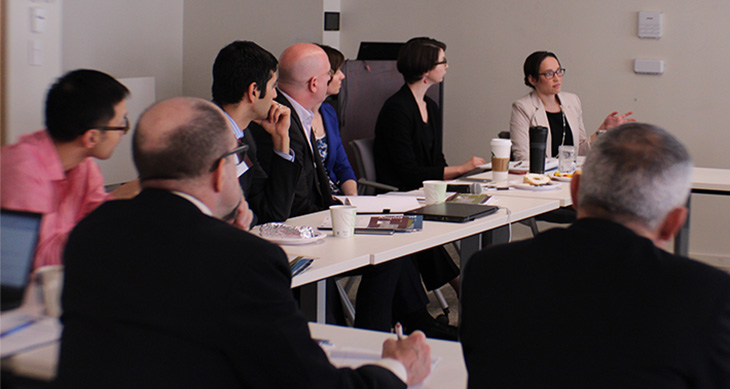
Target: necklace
[[563, 114]]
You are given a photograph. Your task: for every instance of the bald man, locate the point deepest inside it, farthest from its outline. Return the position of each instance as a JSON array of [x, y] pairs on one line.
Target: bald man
[[304, 71], [158, 293]]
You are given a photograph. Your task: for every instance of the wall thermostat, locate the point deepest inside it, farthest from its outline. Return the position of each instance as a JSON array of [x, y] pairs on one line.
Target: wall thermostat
[[650, 24]]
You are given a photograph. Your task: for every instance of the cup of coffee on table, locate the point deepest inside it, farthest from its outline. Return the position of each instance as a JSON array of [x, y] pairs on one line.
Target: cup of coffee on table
[[500, 159]]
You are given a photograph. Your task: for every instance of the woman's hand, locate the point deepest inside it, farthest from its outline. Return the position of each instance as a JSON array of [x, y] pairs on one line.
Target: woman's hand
[[472, 163], [612, 120], [451, 172]]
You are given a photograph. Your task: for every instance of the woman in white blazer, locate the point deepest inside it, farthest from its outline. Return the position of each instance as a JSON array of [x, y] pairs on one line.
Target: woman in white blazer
[[548, 106]]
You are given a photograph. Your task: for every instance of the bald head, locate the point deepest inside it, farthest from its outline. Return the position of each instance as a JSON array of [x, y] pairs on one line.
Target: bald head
[[179, 138], [304, 73]]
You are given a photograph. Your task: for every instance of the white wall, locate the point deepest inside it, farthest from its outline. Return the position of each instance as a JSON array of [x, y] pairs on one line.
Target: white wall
[[130, 38], [23, 83], [211, 25], [176, 41], [596, 42]]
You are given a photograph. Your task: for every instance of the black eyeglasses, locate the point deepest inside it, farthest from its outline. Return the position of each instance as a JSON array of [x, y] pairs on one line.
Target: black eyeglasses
[[444, 62], [124, 128], [240, 153], [550, 75]]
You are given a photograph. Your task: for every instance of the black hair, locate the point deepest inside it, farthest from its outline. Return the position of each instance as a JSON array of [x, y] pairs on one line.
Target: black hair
[[81, 100], [236, 67], [335, 57], [532, 65], [418, 56]]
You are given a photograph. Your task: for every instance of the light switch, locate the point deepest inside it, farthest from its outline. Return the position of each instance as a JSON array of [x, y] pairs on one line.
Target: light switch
[[38, 19], [648, 66], [35, 52]]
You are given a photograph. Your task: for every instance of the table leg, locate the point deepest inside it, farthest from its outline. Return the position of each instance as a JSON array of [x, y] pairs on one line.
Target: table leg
[[313, 301], [322, 301]]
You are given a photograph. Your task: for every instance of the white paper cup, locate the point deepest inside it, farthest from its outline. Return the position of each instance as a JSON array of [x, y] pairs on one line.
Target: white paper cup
[[500, 159], [343, 220], [435, 191], [50, 280]]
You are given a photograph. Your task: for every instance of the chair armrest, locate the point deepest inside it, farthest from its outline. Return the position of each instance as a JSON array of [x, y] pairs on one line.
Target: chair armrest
[[362, 183]]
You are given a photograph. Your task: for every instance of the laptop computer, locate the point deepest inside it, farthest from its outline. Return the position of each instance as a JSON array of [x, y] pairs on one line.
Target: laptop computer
[[453, 212], [18, 238]]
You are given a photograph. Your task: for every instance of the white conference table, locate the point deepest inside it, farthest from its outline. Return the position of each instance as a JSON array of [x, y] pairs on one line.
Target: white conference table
[[561, 193], [709, 181], [334, 256], [41, 363], [448, 372], [38, 363]]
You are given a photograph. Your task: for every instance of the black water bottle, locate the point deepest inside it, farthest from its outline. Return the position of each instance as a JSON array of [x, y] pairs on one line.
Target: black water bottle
[[538, 143]]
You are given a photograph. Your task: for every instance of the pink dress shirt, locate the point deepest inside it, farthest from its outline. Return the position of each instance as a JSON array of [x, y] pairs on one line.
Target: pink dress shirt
[[33, 180]]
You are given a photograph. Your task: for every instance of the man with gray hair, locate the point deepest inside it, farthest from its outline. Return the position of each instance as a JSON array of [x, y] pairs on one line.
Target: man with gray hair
[[164, 291], [601, 304]]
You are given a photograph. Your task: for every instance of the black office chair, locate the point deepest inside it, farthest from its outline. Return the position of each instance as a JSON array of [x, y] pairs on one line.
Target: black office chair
[[364, 159], [367, 185]]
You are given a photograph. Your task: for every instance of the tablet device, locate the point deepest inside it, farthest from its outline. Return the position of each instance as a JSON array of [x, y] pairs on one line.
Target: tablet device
[[453, 212]]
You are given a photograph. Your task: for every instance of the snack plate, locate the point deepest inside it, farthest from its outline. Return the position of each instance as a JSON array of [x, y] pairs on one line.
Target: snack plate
[[295, 241], [536, 188], [555, 177]]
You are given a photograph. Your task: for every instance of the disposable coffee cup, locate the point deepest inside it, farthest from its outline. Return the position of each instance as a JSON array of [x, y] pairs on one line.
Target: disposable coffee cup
[[500, 159], [566, 159], [50, 281], [343, 220], [435, 192], [538, 144]]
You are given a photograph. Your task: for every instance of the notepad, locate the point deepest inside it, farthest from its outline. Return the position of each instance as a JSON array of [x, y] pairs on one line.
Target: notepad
[[380, 203], [382, 222], [299, 264]]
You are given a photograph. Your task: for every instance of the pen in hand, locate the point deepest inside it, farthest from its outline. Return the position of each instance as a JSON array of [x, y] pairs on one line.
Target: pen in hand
[[399, 331]]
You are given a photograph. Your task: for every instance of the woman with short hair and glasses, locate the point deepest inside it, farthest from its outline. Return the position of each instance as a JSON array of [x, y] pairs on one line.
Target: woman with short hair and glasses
[[408, 134], [408, 150], [549, 107]]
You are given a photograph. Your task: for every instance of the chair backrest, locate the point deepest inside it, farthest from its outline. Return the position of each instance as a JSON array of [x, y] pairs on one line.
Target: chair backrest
[[364, 159]]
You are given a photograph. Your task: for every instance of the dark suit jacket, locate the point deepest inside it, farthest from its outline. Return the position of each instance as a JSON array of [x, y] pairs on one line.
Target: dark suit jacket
[[159, 295], [594, 306], [401, 156], [270, 197], [312, 192]]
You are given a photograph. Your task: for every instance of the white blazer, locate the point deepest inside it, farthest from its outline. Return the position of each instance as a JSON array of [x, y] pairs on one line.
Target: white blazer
[[529, 110]]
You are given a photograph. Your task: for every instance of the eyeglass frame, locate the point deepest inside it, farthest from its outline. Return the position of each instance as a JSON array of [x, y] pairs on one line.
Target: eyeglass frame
[[124, 128], [240, 150], [330, 73], [444, 62], [551, 74]]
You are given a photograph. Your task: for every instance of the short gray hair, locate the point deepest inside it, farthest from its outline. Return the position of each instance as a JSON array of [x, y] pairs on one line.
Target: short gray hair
[[636, 171], [189, 150]]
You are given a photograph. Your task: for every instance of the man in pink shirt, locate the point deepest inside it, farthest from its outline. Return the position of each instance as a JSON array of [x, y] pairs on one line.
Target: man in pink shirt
[[50, 171]]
